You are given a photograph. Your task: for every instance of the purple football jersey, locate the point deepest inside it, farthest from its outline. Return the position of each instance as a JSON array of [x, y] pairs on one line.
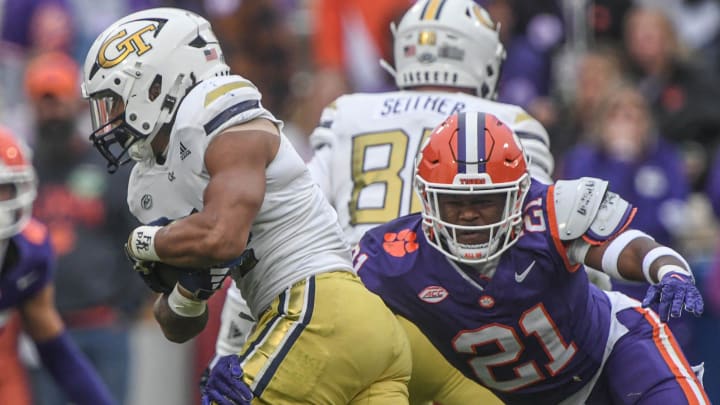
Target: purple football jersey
[[28, 266], [533, 333]]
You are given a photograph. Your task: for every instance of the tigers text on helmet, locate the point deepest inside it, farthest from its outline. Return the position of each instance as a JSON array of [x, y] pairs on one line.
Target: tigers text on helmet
[[447, 43], [18, 185], [472, 160], [137, 73]]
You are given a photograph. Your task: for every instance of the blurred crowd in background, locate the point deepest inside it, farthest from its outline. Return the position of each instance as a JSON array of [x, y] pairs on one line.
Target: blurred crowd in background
[[628, 90]]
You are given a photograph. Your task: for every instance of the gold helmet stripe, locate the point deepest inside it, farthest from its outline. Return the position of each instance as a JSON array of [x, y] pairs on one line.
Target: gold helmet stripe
[[432, 10]]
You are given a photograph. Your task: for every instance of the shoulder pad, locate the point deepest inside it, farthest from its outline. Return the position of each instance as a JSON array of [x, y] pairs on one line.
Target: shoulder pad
[[612, 217], [323, 135], [576, 205], [219, 103], [585, 207]]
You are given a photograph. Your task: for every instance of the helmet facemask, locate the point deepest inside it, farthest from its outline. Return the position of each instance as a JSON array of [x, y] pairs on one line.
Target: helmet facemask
[[474, 241], [17, 193], [18, 186], [112, 136]]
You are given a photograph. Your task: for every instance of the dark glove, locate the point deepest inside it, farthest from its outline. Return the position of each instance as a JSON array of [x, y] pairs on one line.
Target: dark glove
[[146, 270], [202, 284], [675, 291], [162, 277], [226, 386]]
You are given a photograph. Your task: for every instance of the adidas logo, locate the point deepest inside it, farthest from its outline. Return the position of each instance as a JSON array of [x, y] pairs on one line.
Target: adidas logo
[[184, 151]]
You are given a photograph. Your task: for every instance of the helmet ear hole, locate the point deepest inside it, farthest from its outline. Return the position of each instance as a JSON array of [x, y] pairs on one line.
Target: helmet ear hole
[[484, 90], [155, 88]]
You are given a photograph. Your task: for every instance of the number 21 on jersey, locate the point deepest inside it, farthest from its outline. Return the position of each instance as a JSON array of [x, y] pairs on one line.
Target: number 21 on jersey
[[533, 322]]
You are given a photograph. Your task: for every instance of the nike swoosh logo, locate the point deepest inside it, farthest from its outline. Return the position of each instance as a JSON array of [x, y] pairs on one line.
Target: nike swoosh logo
[[25, 281], [521, 277]]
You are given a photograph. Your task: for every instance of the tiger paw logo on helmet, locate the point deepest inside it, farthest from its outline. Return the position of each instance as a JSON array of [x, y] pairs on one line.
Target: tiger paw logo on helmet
[[401, 243]]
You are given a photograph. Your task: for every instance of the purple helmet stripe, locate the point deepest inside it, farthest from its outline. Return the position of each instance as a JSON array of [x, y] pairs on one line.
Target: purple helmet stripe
[[461, 143], [481, 142]]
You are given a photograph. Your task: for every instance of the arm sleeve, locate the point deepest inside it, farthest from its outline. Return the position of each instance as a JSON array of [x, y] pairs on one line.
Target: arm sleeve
[[73, 372]]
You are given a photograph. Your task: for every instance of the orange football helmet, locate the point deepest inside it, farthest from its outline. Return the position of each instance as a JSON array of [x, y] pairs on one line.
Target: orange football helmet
[[473, 156], [16, 171]]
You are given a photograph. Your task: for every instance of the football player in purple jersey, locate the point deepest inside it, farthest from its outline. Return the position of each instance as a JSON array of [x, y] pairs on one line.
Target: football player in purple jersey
[[489, 273], [26, 280]]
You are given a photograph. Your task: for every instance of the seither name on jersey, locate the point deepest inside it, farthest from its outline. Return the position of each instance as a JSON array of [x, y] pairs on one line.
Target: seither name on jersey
[[424, 102]]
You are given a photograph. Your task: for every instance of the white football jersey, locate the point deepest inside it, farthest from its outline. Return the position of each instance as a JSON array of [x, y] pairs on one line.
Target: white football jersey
[[365, 148], [294, 235]]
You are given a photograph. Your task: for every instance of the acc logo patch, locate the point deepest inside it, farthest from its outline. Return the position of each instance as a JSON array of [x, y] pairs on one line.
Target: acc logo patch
[[433, 294], [130, 39]]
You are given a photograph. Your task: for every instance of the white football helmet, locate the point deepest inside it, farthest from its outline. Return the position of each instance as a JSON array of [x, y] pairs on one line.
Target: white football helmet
[[447, 43], [137, 73], [472, 159], [18, 185]]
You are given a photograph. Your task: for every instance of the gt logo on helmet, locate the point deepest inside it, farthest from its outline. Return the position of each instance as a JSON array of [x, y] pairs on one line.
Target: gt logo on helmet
[[129, 44]]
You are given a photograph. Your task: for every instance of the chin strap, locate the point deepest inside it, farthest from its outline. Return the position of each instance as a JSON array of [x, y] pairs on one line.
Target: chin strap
[[383, 63], [388, 67]]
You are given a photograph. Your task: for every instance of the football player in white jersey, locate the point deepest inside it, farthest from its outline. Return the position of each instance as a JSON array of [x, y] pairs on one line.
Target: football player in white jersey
[[222, 187]]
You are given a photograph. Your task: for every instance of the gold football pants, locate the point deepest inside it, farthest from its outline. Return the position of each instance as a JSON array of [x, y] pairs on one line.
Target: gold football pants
[[435, 380], [328, 340]]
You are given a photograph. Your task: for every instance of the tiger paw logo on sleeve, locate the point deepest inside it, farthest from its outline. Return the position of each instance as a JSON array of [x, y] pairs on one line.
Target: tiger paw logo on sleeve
[[401, 243]]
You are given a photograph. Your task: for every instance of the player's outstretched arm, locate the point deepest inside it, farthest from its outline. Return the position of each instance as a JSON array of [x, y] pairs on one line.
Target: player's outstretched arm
[[236, 160], [633, 255], [65, 362]]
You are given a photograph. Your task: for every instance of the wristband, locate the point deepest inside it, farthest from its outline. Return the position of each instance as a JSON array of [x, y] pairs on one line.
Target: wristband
[[672, 268], [184, 306], [615, 248], [653, 255], [141, 243]]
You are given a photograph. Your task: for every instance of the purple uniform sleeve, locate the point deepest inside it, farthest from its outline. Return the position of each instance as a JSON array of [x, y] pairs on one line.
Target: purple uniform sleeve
[[37, 259], [365, 262], [73, 372]]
